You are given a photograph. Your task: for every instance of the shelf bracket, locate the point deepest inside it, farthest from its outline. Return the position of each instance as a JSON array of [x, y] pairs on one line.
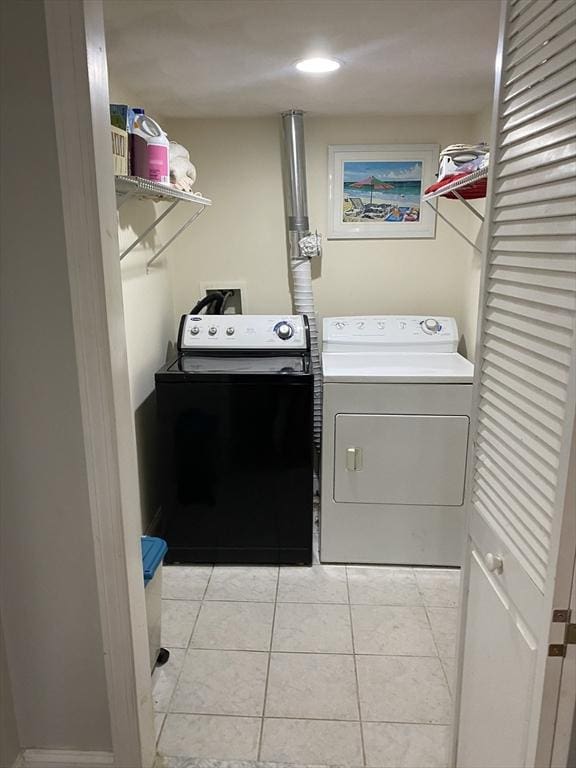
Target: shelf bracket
[[470, 207], [148, 229], [453, 226], [175, 235]]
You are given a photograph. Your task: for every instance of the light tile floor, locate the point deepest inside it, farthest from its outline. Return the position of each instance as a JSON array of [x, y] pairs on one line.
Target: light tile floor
[[333, 665]]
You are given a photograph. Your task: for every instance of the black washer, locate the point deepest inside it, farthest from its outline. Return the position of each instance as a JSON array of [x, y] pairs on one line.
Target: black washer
[[236, 457]]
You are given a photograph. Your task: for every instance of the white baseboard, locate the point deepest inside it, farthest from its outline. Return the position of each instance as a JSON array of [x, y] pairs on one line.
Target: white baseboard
[[63, 758]]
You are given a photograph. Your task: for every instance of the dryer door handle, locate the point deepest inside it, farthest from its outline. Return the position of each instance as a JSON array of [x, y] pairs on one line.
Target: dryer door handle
[[353, 459]]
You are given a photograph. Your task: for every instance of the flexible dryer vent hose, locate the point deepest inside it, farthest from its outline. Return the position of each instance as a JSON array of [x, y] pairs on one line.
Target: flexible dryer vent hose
[[300, 265], [303, 302]]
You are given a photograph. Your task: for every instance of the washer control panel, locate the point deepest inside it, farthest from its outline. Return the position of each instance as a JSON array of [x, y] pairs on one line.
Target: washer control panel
[[231, 332], [414, 332]]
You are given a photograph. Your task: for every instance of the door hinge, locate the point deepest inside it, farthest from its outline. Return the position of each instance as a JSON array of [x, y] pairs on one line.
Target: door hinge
[[563, 617]]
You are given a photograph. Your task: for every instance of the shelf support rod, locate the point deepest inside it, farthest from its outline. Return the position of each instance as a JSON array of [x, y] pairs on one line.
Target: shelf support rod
[[121, 198], [469, 206], [455, 228], [175, 235], [149, 229]]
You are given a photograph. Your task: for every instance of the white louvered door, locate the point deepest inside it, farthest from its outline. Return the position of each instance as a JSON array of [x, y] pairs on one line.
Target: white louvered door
[[525, 397]]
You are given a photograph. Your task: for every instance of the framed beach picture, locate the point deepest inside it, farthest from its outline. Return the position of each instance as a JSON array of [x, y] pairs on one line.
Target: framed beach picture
[[375, 191]]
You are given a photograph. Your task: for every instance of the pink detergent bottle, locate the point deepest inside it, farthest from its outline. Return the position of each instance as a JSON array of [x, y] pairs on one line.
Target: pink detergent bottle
[[151, 148]]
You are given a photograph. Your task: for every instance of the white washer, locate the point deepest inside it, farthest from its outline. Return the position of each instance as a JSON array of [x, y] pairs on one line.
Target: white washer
[[397, 399]]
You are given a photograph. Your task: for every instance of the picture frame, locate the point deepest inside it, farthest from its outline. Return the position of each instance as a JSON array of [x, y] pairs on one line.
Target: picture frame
[[387, 182]]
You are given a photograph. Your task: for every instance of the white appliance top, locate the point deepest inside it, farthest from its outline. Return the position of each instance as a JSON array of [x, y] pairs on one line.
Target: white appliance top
[[390, 333], [393, 348], [423, 368], [250, 332]]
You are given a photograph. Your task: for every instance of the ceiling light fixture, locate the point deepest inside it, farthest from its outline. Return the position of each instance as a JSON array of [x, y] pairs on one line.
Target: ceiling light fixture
[[318, 65]]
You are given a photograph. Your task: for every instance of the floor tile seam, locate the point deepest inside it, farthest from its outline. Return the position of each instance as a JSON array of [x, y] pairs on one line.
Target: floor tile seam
[[208, 580], [314, 653], [406, 722], [226, 650], [182, 599], [186, 649], [444, 673], [425, 602], [313, 602], [210, 600], [356, 677], [348, 602], [214, 714], [357, 653], [264, 717], [264, 702], [369, 721], [396, 655], [159, 735]]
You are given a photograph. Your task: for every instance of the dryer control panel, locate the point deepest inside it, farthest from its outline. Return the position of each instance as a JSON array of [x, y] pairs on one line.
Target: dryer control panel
[[243, 332], [410, 333]]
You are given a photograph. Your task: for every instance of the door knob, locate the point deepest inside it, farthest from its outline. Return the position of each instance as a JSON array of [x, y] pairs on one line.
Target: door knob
[[353, 459], [494, 563]]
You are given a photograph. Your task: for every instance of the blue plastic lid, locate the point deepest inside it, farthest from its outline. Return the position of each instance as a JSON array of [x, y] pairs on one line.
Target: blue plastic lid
[[153, 551]]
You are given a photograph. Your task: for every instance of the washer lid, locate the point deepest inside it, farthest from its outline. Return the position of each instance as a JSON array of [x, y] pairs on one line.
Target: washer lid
[[432, 368]]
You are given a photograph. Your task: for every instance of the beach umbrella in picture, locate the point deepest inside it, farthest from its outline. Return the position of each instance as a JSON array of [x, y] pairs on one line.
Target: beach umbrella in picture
[[372, 183]]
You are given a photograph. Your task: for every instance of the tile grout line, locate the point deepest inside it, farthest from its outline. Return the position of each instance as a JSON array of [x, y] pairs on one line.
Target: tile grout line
[[259, 752], [434, 639], [169, 705], [362, 745], [307, 719]]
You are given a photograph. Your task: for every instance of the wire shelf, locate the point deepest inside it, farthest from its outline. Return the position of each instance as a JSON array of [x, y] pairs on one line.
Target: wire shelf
[[471, 186], [134, 186]]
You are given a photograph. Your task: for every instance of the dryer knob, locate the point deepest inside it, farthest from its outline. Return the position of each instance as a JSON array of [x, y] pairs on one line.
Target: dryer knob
[[213, 330], [194, 330], [430, 325]]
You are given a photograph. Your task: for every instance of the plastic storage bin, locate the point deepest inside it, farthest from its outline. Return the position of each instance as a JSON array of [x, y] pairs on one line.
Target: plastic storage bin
[[153, 551]]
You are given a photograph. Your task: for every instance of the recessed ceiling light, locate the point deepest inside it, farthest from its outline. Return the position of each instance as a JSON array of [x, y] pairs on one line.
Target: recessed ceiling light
[[318, 65]]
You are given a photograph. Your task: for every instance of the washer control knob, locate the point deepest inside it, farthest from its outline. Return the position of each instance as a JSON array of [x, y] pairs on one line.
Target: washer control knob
[[360, 325], [340, 325], [212, 330], [230, 331], [284, 331], [381, 325], [195, 330], [430, 325]]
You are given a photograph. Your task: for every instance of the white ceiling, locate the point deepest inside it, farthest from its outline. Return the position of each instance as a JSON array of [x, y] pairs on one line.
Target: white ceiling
[[221, 58]]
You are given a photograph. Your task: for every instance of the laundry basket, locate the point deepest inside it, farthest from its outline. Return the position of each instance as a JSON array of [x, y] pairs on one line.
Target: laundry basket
[[153, 551]]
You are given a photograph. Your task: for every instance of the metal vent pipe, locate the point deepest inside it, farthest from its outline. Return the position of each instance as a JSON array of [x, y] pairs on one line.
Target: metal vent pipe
[[298, 228]]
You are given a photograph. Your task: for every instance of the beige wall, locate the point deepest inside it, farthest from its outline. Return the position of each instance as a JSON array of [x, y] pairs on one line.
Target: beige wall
[[243, 236], [149, 320], [48, 591]]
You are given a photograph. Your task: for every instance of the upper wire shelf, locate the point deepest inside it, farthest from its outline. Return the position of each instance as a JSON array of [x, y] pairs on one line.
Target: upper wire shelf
[[134, 187], [474, 186], [469, 182]]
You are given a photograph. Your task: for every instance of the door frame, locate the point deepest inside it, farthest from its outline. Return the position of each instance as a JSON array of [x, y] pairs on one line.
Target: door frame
[[544, 737], [79, 80]]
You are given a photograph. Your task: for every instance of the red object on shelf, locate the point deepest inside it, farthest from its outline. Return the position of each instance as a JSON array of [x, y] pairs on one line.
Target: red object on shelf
[[473, 191]]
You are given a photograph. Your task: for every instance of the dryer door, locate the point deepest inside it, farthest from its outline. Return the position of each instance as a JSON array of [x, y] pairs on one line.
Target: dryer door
[[400, 459]]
